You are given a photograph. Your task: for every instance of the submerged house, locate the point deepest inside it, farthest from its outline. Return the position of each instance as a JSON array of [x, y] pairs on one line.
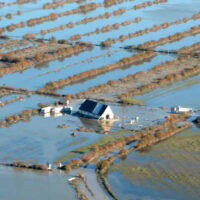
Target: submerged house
[[96, 110]]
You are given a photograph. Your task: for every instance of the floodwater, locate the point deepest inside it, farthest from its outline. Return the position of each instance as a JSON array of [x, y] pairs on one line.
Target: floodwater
[[40, 140], [169, 170], [27, 184], [185, 93]]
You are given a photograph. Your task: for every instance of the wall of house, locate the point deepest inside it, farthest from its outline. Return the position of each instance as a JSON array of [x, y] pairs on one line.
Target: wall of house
[[109, 112], [89, 114]]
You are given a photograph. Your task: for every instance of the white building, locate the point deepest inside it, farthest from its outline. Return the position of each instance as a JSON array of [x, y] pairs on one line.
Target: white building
[[46, 109], [56, 109], [97, 110], [179, 109]]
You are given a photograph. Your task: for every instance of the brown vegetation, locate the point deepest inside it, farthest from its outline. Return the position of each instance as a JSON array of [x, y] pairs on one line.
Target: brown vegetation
[[106, 28], [9, 16], [86, 20], [148, 3], [7, 90], [158, 76], [175, 37], [23, 116], [154, 28], [3, 103], [12, 27], [168, 79], [22, 59], [52, 86], [21, 164], [56, 4], [53, 16], [145, 137]]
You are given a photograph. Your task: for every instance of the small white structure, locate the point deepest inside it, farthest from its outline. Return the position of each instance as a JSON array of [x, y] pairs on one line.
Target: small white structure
[[57, 109], [96, 110], [137, 119], [46, 109], [67, 102], [132, 121], [60, 165], [179, 109], [49, 167], [72, 179]]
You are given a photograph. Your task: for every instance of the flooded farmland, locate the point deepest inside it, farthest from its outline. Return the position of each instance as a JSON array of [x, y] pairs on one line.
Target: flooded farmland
[[139, 59]]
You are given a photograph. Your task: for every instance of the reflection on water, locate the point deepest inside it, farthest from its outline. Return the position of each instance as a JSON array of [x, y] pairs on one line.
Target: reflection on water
[[96, 124]]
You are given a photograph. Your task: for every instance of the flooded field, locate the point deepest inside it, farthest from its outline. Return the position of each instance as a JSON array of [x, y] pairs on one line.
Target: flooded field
[[140, 58], [167, 171]]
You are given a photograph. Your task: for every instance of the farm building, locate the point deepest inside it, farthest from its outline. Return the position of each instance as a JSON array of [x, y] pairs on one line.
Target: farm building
[[179, 109], [97, 110]]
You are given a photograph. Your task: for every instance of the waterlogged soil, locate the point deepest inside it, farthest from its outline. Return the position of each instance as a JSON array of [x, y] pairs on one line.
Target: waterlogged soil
[[169, 170]]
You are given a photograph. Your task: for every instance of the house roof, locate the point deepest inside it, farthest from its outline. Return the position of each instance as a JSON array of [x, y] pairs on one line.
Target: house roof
[[93, 107]]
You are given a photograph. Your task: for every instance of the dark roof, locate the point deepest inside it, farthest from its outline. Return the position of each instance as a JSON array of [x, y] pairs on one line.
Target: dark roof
[[102, 109], [89, 106]]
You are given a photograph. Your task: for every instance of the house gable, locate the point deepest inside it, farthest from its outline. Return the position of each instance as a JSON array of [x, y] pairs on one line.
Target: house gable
[[108, 113], [96, 110]]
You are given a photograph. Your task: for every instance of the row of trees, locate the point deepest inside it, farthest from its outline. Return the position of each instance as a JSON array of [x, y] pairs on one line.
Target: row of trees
[[56, 4], [154, 28], [52, 86], [23, 116], [27, 165], [106, 28], [172, 38], [18, 60], [86, 20], [13, 43], [168, 79], [3, 4], [148, 3], [53, 16], [146, 137]]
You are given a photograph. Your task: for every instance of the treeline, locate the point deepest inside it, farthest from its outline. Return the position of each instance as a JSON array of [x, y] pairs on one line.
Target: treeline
[[52, 86], [22, 62], [146, 137], [108, 42]]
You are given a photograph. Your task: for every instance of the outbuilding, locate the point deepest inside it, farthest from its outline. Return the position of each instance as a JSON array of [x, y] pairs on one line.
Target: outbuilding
[[179, 109], [96, 110]]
